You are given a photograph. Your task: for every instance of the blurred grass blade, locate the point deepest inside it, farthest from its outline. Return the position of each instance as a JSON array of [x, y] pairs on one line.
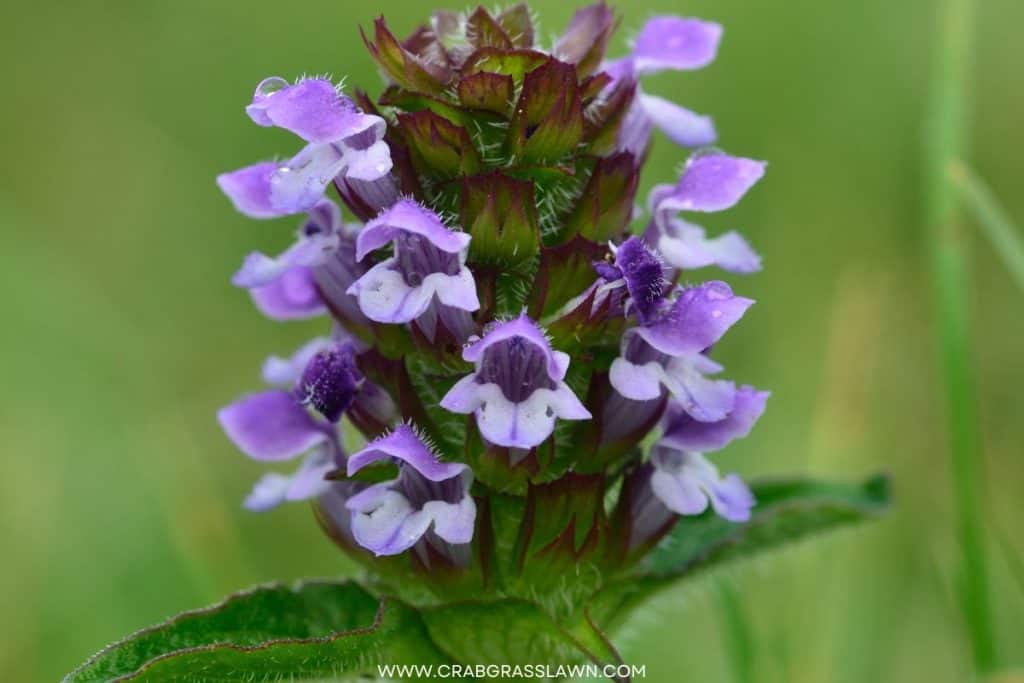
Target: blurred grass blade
[[317, 630], [1013, 559], [992, 218], [944, 144], [739, 640]]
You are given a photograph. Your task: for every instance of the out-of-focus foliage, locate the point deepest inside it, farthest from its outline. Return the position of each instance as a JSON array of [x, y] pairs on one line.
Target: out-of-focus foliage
[[121, 335]]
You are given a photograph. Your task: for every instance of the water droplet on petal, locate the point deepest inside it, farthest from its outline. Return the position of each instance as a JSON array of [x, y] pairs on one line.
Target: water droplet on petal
[[269, 86]]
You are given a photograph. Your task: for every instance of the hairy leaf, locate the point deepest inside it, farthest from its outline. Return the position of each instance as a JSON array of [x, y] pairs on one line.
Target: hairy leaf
[[311, 631]]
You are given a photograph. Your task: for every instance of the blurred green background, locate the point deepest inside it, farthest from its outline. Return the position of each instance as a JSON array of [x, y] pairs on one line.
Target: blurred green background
[[121, 499]]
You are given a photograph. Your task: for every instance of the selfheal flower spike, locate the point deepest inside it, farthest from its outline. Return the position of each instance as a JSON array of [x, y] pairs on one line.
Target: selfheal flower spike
[[489, 292]]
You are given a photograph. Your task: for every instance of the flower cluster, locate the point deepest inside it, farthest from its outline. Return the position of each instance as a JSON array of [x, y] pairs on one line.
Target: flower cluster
[[525, 369]]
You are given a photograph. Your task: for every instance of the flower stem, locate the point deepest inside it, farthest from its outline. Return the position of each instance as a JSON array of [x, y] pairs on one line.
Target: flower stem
[[992, 218], [944, 143]]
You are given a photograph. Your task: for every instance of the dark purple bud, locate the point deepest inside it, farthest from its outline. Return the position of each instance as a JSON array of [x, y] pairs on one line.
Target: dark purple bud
[[330, 382], [644, 274]]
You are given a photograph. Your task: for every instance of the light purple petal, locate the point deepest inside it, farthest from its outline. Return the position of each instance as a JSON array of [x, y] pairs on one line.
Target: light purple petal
[[696, 320], [635, 132], [685, 482], [259, 269], [404, 444], [675, 43], [515, 425], [307, 482], [293, 296], [299, 184], [455, 291], [636, 382], [368, 164], [710, 182], [564, 403], [249, 190], [453, 522], [384, 522], [385, 296], [706, 400], [312, 109], [680, 494], [270, 426], [731, 499], [618, 70], [685, 433], [681, 125], [268, 492], [465, 396], [685, 246], [408, 216]]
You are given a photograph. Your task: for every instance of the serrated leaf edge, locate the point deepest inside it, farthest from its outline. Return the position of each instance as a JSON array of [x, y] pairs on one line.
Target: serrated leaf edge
[[296, 586]]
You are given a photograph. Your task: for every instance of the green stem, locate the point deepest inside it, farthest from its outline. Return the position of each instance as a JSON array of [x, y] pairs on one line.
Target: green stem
[[992, 218], [950, 283]]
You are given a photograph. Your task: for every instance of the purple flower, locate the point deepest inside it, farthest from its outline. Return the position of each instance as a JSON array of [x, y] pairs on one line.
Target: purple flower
[[710, 183], [330, 381], [427, 496], [665, 43], [310, 276], [641, 272], [283, 287], [685, 482], [668, 352], [342, 142], [687, 434], [429, 261], [271, 426], [517, 390], [274, 425]]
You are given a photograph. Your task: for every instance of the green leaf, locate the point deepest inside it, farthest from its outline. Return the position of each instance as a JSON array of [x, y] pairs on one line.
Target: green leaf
[[501, 215], [786, 511], [311, 631]]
